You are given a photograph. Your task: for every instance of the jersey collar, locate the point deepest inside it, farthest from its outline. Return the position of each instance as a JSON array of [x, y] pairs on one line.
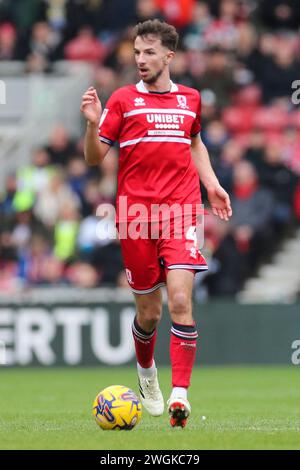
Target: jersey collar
[[142, 89]]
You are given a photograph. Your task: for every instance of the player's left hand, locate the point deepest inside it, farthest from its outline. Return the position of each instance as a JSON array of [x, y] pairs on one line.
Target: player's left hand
[[219, 201]]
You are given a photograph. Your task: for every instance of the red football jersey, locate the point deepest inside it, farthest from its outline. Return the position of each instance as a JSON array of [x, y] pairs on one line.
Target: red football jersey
[[154, 131]]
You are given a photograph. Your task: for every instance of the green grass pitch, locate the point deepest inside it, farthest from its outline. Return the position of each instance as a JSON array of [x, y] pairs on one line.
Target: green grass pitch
[[245, 408]]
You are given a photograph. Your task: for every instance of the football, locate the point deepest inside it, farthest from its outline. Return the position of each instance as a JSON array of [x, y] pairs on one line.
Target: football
[[117, 407]]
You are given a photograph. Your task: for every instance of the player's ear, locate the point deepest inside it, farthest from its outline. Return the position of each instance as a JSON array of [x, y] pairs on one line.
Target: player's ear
[[169, 57]]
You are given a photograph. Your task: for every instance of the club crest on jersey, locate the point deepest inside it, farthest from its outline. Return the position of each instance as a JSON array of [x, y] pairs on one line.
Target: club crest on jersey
[[182, 102], [139, 102]]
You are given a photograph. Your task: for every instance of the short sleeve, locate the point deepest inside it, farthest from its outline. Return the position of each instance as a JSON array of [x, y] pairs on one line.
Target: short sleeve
[[111, 120], [196, 126]]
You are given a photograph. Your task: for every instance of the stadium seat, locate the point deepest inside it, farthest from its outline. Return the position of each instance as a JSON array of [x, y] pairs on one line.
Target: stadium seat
[[249, 96], [271, 118], [294, 119], [274, 138], [242, 139], [238, 119]]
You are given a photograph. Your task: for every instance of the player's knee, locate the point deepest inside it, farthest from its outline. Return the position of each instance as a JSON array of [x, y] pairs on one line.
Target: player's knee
[[180, 304], [150, 313]]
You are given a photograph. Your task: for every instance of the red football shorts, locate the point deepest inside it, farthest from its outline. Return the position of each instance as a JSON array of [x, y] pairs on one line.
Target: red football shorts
[[147, 258]]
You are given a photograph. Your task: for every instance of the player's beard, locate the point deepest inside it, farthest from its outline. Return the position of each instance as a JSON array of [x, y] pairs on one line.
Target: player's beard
[[153, 78]]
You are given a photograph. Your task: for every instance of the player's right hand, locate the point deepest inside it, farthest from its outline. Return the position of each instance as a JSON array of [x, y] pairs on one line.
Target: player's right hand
[[91, 106]]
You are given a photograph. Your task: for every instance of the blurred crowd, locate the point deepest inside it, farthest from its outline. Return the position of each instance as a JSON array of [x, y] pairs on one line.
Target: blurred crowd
[[244, 58]]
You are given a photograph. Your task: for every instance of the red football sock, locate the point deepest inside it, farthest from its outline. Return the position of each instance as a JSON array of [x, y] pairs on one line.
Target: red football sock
[[144, 345], [183, 353]]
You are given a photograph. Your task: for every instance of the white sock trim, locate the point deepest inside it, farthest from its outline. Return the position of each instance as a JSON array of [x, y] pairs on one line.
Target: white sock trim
[[179, 392], [149, 372]]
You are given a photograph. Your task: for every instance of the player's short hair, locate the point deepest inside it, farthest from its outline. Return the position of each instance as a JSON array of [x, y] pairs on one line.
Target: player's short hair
[[166, 32]]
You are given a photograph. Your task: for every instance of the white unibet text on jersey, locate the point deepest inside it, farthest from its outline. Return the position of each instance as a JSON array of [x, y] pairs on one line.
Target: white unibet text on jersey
[[165, 118]]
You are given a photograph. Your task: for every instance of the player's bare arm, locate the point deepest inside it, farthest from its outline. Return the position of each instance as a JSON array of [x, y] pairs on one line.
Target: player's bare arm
[[94, 149], [217, 196]]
